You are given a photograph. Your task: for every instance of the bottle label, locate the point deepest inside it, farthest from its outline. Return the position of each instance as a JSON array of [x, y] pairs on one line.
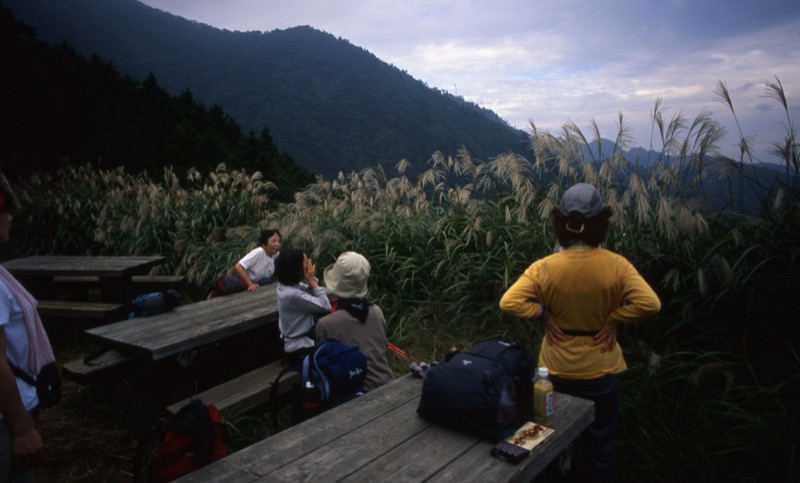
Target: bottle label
[[543, 403], [548, 404]]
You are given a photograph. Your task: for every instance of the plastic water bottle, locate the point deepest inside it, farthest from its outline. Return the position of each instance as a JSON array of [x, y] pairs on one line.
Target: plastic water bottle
[[543, 400]]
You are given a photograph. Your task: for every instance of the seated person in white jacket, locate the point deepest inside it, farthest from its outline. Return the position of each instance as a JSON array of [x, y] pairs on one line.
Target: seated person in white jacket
[[300, 298]]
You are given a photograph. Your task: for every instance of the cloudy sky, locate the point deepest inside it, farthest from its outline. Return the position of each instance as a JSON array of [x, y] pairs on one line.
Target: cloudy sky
[[553, 61]]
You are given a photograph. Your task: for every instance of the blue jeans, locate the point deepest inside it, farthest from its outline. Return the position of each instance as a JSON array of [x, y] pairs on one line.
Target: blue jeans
[[598, 438]]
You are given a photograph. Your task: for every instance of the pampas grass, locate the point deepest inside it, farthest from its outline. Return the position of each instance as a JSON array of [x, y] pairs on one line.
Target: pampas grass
[[711, 378]]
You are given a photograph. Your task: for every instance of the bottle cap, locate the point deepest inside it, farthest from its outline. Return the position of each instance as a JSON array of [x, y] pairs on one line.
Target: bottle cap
[[543, 372]]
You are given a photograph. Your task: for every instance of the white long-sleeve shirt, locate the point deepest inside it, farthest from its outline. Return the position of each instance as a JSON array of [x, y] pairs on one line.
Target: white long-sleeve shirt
[[297, 305]]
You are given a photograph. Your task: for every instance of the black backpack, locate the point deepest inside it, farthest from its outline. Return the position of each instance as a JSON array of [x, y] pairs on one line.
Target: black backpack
[[487, 391]]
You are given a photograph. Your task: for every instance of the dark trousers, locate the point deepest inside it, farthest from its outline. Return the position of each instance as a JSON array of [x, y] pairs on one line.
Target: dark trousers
[[598, 439], [295, 359]]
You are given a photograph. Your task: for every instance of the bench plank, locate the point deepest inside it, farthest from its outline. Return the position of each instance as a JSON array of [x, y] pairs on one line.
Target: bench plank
[[78, 310], [147, 281], [246, 391], [91, 368]]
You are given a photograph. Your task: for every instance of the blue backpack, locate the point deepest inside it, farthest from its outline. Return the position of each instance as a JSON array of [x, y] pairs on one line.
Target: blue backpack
[[331, 375], [154, 303], [336, 372]]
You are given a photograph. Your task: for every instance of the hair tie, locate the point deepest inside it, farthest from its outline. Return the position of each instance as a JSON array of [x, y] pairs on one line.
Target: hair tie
[[577, 217], [573, 230]]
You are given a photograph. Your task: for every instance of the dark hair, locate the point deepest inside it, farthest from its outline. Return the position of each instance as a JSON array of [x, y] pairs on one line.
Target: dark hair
[[267, 234], [575, 229], [289, 269]]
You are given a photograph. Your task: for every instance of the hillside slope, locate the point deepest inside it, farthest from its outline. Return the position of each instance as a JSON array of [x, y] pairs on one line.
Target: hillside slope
[[328, 103]]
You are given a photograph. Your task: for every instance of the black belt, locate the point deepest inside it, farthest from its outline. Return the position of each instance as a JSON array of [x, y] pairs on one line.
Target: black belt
[[580, 333]]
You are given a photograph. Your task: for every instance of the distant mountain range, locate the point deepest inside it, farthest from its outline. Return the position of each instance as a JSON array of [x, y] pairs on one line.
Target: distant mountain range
[[331, 105]]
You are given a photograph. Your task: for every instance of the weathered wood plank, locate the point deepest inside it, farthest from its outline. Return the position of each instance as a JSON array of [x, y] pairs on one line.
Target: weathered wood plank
[[244, 392], [91, 369], [78, 310], [140, 279], [102, 266], [190, 326], [379, 451], [566, 430], [250, 464], [429, 450]]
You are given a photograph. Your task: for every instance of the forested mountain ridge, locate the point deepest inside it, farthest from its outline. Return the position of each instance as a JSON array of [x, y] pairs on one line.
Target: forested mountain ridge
[[328, 103], [58, 107]]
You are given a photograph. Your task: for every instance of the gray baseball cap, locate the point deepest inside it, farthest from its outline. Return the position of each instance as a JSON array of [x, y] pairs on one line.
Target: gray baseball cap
[[582, 198]]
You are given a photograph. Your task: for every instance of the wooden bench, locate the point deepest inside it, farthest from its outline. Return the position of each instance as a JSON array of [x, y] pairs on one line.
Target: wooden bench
[[246, 391], [144, 282], [96, 367], [79, 310]]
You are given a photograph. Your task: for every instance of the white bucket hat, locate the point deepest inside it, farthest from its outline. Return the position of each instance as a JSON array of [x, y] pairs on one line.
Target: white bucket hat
[[348, 277]]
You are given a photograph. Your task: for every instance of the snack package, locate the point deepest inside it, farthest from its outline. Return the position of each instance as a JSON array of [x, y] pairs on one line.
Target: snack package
[[519, 445]]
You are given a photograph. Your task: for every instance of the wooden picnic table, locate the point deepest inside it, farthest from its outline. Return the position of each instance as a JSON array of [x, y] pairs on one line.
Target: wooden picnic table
[[111, 267], [380, 437], [190, 326], [115, 273]]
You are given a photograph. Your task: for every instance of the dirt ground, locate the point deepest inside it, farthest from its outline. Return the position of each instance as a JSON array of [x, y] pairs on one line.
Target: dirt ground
[[92, 435], [84, 446]]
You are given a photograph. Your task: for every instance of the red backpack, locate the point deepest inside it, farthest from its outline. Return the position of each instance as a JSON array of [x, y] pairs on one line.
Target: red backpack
[[191, 439]]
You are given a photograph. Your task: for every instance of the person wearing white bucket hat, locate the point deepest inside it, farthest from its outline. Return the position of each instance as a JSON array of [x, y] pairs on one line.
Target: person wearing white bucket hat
[[355, 321], [581, 294]]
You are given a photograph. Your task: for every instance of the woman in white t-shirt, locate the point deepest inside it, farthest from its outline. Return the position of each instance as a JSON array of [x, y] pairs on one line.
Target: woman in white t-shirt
[[257, 267]]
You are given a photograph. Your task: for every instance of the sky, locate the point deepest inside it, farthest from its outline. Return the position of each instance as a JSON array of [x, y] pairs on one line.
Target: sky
[[556, 61]]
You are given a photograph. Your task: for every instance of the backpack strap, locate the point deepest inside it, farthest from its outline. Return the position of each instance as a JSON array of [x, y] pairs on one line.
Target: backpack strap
[[22, 374], [493, 348], [274, 391], [322, 379]]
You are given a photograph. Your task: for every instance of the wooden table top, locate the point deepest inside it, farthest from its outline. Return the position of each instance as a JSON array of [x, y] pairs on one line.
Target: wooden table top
[[379, 437], [101, 266], [190, 326]]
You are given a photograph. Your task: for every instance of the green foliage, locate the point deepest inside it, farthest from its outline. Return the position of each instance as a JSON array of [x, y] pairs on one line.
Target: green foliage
[[60, 108], [202, 227]]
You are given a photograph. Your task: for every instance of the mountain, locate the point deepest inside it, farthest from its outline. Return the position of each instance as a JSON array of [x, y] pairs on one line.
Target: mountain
[[331, 105], [59, 108]]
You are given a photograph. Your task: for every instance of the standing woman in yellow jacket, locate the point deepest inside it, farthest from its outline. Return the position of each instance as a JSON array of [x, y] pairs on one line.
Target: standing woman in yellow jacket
[[582, 293]]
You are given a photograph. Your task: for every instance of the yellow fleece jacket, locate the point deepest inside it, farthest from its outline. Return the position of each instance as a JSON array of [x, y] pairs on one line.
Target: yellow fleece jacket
[[582, 287]]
